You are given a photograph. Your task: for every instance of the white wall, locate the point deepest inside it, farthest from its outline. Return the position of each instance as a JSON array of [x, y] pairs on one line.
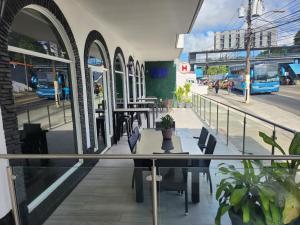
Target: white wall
[[81, 27], [5, 204]]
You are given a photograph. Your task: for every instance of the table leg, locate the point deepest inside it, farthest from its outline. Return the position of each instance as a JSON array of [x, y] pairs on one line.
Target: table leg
[[195, 185], [148, 119], [156, 108], [114, 128], [139, 189], [153, 116]]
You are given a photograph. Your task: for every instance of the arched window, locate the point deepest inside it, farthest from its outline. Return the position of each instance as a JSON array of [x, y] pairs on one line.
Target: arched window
[[138, 80], [120, 79], [98, 91], [131, 80], [143, 85], [43, 72]]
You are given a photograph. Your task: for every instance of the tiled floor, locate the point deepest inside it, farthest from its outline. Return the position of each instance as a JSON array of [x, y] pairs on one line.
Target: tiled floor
[[105, 195]]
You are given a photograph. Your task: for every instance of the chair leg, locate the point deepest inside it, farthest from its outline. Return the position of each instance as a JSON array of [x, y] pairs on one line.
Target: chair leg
[[210, 183], [132, 180], [186, 203]]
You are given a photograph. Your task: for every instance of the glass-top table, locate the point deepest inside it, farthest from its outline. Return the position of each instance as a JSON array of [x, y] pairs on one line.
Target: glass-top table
[[151, 143]]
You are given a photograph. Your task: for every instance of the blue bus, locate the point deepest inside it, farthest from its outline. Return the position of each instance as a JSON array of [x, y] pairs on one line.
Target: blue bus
[[264, 78], [44, 82]]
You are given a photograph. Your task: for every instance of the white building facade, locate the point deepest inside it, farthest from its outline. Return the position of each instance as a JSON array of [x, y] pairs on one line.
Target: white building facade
[[236, 39]]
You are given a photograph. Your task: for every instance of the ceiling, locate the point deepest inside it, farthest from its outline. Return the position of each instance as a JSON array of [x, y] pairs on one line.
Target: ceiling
[[149, 26]]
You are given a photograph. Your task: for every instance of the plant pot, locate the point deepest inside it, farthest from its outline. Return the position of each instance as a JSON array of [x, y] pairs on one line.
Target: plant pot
[[188, 105], [235, 218], [167, 134], [180, 104]]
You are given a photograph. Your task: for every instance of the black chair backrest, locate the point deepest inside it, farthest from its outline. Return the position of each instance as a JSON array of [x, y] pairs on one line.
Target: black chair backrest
[[32, 128], [203, 137], [211, 145]]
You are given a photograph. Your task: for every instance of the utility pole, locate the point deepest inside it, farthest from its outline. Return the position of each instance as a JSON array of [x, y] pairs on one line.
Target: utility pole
[[248, 50]]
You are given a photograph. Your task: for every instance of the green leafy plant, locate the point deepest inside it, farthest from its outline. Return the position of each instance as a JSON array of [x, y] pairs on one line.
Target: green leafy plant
[[266, 195], [187, 89], [243, 194], [284, 173], [167, 122], [179, 94]]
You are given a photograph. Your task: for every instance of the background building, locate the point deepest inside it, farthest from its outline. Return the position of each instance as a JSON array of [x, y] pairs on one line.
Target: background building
[[235, 39]]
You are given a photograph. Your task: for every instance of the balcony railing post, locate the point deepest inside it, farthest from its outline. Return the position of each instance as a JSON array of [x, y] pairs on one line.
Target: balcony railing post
[[154, 194], [64, 110], [49, 120], [217, 129], [244, 134], [11, 186], [227, 136], [209, 113], [200, 106], [28, 115], [204, 108], [274, 139]]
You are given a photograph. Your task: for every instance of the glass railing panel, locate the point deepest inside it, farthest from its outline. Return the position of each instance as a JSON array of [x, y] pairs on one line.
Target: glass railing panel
[[202, 108], [246, 192], [82, 194], [236, 129], [213, 117], [22, 118], [56, 115], [68, 111], [222, 121], [207, 111], [254, 144], [39, 116], [284, 139]]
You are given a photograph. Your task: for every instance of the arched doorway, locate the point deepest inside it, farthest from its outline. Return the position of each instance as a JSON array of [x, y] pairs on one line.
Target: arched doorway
[[40, 107], [120, 88], [98, 78], [131, 80]]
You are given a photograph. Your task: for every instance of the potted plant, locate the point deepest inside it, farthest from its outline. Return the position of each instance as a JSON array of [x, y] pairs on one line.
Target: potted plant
[[179, 96], [266, 195], [188, 102], [167, 124], [239, 195], [284, 173]]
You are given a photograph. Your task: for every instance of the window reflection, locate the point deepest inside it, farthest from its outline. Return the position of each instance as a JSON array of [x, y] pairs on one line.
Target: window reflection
[[42, 96]]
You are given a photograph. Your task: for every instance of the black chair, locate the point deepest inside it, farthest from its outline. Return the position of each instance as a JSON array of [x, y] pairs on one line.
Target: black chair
[[34, 140], [124, 120], [174, 176], [204, 164], [202, 139]]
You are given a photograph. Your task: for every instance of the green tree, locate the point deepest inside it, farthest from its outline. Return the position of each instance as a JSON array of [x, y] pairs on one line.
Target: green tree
[[214, 70], [297, 38]]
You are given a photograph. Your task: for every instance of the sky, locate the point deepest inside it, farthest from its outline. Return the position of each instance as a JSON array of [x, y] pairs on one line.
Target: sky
[[220, 15]]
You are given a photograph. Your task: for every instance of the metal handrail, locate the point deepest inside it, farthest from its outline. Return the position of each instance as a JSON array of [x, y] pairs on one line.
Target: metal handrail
[[150, 157], [250, 114]]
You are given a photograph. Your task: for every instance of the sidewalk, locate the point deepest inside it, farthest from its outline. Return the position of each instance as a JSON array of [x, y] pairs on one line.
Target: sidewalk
[[267, 111]]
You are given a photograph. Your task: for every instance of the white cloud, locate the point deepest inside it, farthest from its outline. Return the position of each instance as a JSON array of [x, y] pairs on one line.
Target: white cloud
[[220, 15], [199, 42]]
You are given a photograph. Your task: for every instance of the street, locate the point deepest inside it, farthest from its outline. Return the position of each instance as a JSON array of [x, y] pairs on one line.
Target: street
[[282, 107], [288, 99]]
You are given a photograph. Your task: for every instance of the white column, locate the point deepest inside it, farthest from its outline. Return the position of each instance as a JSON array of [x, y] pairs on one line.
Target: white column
[[5, 203]]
